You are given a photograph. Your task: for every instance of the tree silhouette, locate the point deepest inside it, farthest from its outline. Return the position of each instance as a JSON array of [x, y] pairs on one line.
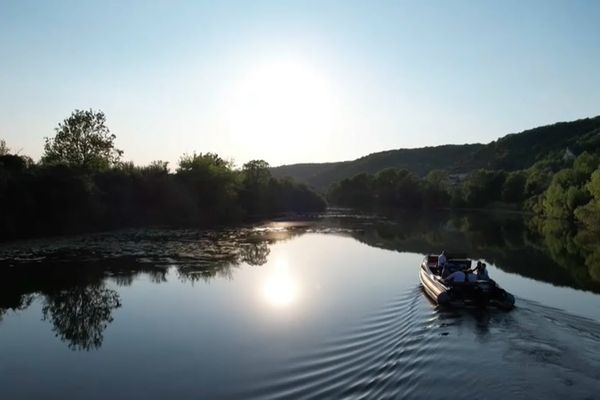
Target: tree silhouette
[[82, 140], [4, 150], [255, 253], [81, 314]]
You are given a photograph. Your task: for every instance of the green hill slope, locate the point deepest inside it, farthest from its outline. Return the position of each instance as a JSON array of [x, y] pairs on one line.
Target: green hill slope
[[511, 152]]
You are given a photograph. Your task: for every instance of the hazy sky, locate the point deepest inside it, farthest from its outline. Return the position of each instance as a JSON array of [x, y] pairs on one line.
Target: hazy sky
[[295, 81]]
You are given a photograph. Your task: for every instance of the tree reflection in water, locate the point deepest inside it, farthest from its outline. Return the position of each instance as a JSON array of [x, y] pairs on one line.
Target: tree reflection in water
[[75, 294], [81, 314], [73, 280], [255, 253]]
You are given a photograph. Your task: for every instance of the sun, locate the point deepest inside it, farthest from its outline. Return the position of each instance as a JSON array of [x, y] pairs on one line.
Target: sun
[[283, 103]]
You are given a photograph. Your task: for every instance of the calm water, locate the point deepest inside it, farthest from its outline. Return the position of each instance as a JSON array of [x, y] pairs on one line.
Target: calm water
[[328, 307]]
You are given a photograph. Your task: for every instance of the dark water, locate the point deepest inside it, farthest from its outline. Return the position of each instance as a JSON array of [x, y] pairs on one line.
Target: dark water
[[328, 307]]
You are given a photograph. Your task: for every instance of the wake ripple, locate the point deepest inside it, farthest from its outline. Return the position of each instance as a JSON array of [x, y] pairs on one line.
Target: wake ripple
[[412, 349], [388, 350]]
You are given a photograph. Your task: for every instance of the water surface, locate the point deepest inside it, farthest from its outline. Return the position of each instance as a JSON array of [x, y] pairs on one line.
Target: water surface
[[327, 307]]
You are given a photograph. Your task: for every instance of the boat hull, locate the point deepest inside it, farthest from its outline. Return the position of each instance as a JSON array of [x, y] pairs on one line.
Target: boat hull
[[434, 289]]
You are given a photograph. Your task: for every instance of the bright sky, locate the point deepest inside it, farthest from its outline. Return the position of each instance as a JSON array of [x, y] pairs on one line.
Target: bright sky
[[294, 82]]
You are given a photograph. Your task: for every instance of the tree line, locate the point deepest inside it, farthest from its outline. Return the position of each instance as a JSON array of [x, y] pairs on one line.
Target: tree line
[[556, 187], [82, 184]]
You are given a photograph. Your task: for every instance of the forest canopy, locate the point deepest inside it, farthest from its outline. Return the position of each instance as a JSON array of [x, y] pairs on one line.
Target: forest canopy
[[81, 184]]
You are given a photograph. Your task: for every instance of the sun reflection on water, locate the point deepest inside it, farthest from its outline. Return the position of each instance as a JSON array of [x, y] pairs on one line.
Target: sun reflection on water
[[280, 289]]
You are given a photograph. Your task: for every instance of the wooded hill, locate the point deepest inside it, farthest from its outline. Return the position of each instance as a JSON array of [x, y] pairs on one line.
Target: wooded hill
[[511, 152]]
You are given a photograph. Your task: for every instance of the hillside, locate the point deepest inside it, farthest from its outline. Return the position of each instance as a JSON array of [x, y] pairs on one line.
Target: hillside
[[511, 152]]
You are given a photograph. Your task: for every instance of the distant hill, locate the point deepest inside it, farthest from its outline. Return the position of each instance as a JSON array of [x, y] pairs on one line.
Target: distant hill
[[511, 152]]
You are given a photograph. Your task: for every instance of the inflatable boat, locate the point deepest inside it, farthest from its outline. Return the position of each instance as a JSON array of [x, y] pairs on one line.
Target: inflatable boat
[[478, 293]]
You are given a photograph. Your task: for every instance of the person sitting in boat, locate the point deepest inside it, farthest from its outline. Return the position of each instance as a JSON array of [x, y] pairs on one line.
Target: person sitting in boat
[[470, 276], [481, 272], [442, 264], [456, 277], [442, 260]]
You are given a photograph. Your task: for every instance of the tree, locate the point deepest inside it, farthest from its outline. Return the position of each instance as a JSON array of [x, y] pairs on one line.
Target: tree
[[565, 194], [202, 162], [589, 214], [211, 188], [353, 192], [585, 164], [437, 178], [4, 150], [82, 140], [385, 186], [256, 173], [483, 187], [514, 187], [255, 195], [436, 190]]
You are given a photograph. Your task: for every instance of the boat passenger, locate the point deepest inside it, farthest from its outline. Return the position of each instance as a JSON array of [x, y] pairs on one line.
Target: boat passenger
[[442, 260], [481, 272], [470, 276], [456, 277], [446, 270], [442, 265]]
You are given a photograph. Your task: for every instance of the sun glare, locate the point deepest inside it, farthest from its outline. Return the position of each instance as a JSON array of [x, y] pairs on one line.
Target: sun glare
[[280, 289], [281, 103]]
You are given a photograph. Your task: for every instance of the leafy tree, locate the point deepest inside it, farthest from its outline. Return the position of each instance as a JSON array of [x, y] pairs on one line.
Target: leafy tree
[[589, 214], [483, 186], [409, 190], [585, 164], [209, 188], [157, 167], [385, 186], [202, 162], [354, 192], [4, 150], [82, 140], [555, 197], [14, 163], [570, 190], [513, 189], [537, 182], [255, 196], [437, 178], [594, 185], [256, 173], [436, 189]]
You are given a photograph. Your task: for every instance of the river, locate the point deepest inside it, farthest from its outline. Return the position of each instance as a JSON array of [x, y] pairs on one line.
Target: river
[[326, 306]]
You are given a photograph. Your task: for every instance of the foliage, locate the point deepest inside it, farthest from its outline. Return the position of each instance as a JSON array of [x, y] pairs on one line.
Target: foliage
[[261, 193], [568, 190], [483, 187], [82, 140], [544, 146], [589, 214], [209, 188], [56, 199], [79, 186], [555, 186], [391, 188], [4, 150], [353, 192], [513, 190]]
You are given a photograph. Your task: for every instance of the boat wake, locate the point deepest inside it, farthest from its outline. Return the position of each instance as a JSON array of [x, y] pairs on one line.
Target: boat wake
[[412, 349]]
